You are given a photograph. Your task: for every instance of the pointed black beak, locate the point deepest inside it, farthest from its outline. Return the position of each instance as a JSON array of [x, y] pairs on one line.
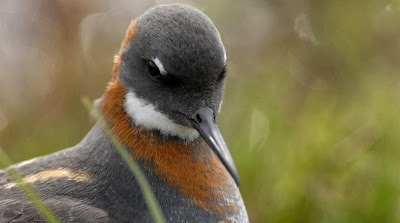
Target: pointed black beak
[[204, 121]]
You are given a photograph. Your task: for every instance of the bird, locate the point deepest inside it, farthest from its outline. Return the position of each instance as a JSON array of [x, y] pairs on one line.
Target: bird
[[162, 102]]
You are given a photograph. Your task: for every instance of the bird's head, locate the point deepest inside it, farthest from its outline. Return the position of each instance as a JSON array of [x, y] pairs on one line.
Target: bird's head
[[172, 70]]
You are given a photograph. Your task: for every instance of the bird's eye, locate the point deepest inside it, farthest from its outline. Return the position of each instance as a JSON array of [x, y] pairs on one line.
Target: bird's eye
[[152, 69], [223, 73]]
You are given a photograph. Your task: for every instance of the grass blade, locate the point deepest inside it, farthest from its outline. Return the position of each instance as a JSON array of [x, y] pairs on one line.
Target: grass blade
[[148, 194], [27, 189]]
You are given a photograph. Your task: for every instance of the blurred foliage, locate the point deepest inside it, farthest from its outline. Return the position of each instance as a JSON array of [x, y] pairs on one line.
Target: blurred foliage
[[311, 110]]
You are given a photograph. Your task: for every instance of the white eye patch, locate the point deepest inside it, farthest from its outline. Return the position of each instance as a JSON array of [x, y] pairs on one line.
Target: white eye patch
[[225, 57], [160, 66]]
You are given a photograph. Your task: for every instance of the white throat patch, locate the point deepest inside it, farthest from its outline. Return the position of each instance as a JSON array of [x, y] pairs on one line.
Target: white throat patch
[[144, 114]]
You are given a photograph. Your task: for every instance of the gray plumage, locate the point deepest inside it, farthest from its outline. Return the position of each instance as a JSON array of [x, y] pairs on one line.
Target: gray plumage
[[112, 196], [191, 51]]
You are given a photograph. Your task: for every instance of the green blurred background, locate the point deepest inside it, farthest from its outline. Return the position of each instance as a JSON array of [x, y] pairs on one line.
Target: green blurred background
[[311, 110]]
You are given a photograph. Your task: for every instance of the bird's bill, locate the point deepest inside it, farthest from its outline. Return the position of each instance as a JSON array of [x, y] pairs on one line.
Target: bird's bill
[[204, 121]]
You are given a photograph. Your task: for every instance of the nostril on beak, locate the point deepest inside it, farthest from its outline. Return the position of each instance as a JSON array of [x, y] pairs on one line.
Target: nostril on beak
[[199, 119]]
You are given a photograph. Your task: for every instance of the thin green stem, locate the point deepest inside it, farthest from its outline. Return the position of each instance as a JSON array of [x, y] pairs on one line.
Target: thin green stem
[[27, 189], [148, 194]]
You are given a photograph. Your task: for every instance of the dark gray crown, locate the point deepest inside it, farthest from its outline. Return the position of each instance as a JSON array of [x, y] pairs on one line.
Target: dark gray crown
[[184, 38]]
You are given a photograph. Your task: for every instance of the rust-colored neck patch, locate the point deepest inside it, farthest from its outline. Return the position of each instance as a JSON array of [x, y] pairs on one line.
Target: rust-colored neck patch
[[193, 168], [130, 33]]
